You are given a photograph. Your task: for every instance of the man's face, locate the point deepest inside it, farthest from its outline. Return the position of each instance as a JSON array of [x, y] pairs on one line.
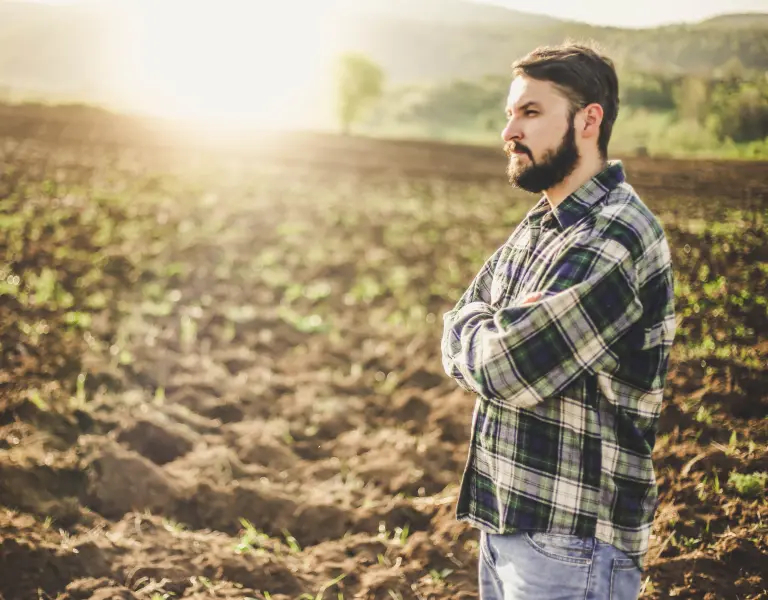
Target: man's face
[[540, 136]]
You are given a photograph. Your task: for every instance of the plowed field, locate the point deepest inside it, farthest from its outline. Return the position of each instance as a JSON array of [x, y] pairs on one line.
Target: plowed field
[[220, 372]]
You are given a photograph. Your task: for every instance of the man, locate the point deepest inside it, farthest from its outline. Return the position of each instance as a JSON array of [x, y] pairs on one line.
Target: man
[[564, 336]]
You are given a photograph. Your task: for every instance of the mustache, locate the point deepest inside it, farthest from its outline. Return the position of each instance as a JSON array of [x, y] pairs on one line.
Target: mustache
[[513, 147]]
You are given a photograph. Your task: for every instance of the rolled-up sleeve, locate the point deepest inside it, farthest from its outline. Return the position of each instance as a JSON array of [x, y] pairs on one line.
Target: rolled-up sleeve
[[521, 355]]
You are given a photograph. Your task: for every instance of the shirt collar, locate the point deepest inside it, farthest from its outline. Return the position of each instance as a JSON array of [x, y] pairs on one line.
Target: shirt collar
[[541, 208], [578, 204]]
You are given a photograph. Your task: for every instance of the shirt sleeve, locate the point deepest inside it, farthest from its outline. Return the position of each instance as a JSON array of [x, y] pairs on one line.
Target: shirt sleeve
[[480, 288], [479, 291], [521, 355]]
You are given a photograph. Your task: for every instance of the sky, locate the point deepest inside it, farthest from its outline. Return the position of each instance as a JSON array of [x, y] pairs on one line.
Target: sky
[[237, 61], [635, 13], [617, 13]]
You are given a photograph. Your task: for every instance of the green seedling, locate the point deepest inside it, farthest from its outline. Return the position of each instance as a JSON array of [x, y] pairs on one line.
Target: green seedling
[[159, 395], [172, 526], [304, 323], [690, 542], [321, 592], [401, 533], [251, 539], [188, 330], [79, 399], [703, 415], [748, 486], [291, 541], [207, 583], [36, 399], [77, 319], [716, 483], [439, 576]]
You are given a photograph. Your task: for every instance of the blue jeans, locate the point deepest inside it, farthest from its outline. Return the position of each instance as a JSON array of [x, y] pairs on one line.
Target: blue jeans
[[544, 566]]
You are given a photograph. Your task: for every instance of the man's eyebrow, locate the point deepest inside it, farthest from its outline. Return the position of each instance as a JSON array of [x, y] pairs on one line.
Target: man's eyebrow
[[529, 104]]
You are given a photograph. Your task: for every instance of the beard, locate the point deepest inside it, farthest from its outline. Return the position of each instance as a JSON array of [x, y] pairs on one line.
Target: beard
[[555, 165]]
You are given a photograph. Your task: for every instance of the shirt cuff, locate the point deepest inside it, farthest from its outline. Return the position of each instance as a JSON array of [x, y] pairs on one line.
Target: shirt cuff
[[470, 310]]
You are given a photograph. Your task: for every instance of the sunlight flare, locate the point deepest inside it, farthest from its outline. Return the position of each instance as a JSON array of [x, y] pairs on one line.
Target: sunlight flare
[[231, 63]]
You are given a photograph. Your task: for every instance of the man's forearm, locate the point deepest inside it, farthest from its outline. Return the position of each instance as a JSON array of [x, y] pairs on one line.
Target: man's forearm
[[522, 354]]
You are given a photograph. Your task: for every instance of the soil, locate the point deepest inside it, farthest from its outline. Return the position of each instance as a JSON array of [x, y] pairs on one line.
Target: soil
[[258, 456]]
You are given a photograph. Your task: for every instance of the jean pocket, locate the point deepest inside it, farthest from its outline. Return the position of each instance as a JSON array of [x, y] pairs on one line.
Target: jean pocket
[[565, 548], [486, 551], [625, 579]]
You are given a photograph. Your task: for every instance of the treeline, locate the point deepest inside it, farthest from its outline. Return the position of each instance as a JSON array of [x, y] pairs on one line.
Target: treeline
[[731, 108]]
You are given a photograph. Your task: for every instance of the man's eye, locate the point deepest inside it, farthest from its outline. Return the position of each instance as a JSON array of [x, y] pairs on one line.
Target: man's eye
[[531, 113]]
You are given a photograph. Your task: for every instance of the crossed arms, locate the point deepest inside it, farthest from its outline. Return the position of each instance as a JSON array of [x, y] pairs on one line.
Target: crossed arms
[[528, 351]]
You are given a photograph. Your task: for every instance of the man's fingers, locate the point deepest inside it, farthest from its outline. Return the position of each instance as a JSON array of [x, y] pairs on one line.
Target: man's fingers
[[532, 298]]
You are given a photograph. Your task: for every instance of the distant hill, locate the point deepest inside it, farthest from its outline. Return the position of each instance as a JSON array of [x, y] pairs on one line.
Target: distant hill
[[63, 50], [443, 12], [452, 48], [741, 21], [56, 49]]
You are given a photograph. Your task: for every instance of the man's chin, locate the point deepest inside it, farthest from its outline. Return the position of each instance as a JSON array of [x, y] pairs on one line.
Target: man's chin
[[516, 174], [533, 189], [519, 179]]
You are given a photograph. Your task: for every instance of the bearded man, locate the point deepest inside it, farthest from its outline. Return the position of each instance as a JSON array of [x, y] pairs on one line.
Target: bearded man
[[564, 337]]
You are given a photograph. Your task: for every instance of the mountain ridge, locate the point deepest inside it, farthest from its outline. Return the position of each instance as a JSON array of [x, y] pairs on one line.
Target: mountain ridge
[[63, 51]]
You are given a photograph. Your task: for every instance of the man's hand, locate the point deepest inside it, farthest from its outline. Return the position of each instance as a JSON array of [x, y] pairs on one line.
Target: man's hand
[[534, 297]]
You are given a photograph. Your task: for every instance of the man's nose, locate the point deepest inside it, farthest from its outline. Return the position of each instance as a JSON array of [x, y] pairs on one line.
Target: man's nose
[[512, 131]]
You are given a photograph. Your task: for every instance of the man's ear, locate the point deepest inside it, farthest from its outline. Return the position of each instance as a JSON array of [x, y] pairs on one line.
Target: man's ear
[[593, 117]]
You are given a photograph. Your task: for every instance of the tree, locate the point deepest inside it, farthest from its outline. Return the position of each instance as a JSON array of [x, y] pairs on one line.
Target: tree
[[692, 98], [360, 82], [652, 91], [739, 111]]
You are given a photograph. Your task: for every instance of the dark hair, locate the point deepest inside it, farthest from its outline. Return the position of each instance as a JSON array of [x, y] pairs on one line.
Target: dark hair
[[583, 74]]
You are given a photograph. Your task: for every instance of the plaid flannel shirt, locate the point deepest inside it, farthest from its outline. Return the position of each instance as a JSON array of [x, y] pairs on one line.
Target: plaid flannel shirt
[[569, 385]]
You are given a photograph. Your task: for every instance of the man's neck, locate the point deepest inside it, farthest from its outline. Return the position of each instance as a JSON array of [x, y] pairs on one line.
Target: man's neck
[[584, 171]]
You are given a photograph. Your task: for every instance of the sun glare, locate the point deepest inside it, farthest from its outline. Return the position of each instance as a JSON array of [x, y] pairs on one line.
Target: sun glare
[[257, 63]]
